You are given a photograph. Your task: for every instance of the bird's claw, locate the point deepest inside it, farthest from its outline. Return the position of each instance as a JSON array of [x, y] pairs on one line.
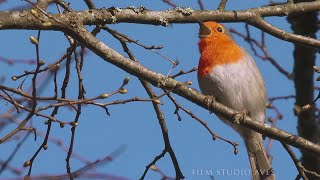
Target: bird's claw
[[209, 100], [240, 116]]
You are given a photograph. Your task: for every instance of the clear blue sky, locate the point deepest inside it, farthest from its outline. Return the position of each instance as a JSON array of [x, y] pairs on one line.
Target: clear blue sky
[[135, 125]]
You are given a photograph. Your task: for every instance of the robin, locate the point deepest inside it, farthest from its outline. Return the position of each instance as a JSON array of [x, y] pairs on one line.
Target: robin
[[229, 73]]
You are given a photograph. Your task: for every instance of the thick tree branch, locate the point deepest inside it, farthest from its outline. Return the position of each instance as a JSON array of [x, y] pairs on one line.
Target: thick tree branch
[[304, 60], [254, 16]]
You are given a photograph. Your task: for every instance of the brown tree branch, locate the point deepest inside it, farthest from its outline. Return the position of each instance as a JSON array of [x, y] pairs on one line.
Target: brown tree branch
[[304, 59], [164, 129], [254, 16], [214, 136], [201, 4], [5, 164], [296, 161], [222, 5], [170, 3]]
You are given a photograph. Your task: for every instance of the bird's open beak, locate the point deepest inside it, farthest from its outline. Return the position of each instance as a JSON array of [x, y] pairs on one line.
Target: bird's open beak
[[204, 31]]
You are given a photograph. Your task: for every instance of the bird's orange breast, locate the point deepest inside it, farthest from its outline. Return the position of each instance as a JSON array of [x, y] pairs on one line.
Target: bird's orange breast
[[217, 52]]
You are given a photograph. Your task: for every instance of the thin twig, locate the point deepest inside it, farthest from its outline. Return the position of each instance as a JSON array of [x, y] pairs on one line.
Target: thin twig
[[297, 163], [201, 4], [222, 5], [170, 3], [214, 136]]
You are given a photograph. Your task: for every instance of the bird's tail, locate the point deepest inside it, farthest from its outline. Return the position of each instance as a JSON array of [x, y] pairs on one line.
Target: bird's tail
[[260, 166]]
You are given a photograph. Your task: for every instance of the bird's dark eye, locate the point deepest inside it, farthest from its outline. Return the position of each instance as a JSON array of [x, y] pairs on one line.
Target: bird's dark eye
[[220, 29]]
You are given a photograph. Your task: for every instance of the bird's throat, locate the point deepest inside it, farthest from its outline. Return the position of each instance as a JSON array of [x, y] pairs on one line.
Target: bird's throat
[[214, 54]]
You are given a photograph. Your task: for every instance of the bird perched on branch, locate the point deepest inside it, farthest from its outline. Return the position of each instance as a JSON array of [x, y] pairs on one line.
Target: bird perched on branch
[[228, 72]]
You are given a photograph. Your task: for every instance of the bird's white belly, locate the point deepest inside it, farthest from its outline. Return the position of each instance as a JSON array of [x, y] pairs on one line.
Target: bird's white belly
[[238, 86]]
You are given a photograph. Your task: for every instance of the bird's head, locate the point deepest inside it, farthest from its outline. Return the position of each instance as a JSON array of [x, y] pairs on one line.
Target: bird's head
[[213, 30], [216, 47]]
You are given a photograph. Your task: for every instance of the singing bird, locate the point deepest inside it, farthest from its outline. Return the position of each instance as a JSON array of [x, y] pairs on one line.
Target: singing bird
[[228, 72]]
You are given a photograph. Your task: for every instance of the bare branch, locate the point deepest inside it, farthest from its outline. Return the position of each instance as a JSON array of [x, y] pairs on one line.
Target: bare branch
[[170, 3], [254, 16], [214, 136], [222, 5], [201, 4], [295, 160]]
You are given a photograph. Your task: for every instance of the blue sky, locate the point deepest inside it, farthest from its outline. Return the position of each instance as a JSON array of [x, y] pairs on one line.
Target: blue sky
[[134, 125]]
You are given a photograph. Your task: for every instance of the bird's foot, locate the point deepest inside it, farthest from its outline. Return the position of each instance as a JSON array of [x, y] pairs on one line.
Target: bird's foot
[[239, 116], [209, 100]]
